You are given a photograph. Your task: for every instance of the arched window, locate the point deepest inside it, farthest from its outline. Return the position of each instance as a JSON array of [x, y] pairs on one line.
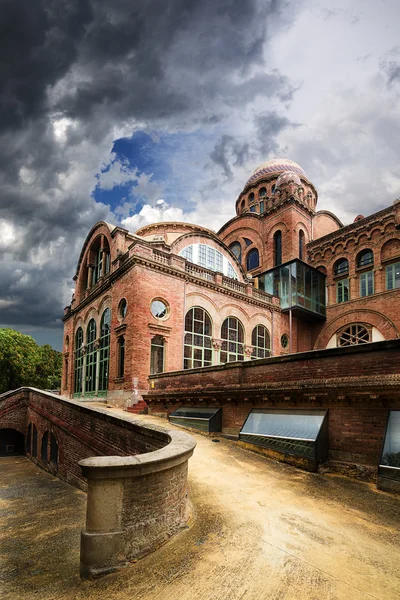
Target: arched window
[[253, 259], [105, 325], [78, 360], [353, 335], [91, 357], [34, 441], [232, 335], [261, 343], [101, 259], [236, 249], [53, 451], [365, 258], [121, 356], [251, 197], [198, 345], [341, 267], [277, 248], [45, 443], [263, 192], [242, 205], [301, 244], [157, 355], [273, 189], [29, 439]]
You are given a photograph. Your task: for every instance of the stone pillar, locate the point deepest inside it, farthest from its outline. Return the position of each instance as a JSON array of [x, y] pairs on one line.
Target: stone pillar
[[248, 351], [102, 543], [97, 348], [90, 277], [84, 371], [217, 347]]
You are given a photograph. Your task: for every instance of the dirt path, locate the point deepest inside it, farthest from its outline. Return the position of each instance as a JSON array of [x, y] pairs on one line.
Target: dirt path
[[262, 530]]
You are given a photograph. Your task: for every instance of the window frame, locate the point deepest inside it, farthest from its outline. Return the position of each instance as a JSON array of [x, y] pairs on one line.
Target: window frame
[[367, 278], [341, 292], [393, 266]]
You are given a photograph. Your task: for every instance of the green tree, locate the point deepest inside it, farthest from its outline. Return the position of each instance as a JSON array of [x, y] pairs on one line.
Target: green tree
[[24, 363]]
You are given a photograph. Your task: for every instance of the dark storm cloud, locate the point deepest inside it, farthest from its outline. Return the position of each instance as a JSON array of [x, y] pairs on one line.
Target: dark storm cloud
[[168, 64], [268, 126]]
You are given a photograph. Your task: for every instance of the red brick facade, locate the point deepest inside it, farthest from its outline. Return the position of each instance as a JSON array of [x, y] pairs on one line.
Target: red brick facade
[[163, 262]]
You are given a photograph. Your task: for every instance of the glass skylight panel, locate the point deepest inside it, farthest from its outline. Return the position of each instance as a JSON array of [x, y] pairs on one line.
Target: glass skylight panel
[[391, 449]]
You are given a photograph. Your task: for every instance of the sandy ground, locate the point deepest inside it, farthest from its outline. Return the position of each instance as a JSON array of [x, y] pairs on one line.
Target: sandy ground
[[261, 530]]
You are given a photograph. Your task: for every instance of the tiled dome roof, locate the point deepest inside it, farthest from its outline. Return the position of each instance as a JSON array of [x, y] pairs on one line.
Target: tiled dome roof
[[276, 165], [287, 177]]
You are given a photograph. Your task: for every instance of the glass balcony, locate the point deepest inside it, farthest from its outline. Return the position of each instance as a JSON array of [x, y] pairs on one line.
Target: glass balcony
[[300, 288]]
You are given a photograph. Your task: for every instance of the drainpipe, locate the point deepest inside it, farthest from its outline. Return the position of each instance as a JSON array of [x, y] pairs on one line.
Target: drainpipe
[[272, 332]]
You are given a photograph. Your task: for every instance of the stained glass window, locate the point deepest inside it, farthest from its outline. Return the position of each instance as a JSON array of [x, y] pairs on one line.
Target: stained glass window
[[260, 341], [232, 335], [197, 344], [104, 349], [91, 357], [78, 361]]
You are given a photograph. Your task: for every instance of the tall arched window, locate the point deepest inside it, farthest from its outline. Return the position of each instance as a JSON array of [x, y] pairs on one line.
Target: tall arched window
[[91, 357], [263, 192], [253, 259], [105, 325], [198, 345], [157, 354], [236, 249], [301, 244], [261, 343], [45, 443], [277, 248], [232, 335], [78, 361], [121, 356]]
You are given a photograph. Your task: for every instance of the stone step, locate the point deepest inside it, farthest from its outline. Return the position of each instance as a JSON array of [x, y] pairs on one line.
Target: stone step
[[140, 408]]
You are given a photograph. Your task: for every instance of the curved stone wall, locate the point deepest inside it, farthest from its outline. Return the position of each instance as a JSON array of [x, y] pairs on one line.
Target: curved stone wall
[[135, 474]]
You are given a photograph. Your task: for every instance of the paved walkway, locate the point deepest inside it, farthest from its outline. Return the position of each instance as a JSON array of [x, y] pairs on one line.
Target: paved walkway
[[262, 530]]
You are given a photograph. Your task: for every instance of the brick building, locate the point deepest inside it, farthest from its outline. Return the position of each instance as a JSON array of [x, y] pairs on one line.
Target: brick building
[[279, 278]]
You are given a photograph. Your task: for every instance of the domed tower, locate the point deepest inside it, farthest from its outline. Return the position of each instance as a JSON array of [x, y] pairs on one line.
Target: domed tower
[[273, 183]]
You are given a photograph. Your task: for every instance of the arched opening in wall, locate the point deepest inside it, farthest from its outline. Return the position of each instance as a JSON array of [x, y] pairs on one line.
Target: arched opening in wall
[[242, 206], [251, 197], [157, 351], [104, 359], [91, 358], [261, 342], [44, 448], [29, 440], [232, 336], [34, 441], [121, 356], [277, 248], [253, 259], [354, 334], [236, 249], [301, 244], [198, 344], [53, 451], [12, 442], [262, 193], [78, 366]]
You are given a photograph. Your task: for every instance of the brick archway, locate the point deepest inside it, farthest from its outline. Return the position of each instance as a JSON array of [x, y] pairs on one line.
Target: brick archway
[[374, 318]]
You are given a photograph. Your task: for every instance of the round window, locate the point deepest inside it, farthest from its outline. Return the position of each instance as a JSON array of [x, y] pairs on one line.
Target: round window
[[159, 309], [284, 340], [123, 308]]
